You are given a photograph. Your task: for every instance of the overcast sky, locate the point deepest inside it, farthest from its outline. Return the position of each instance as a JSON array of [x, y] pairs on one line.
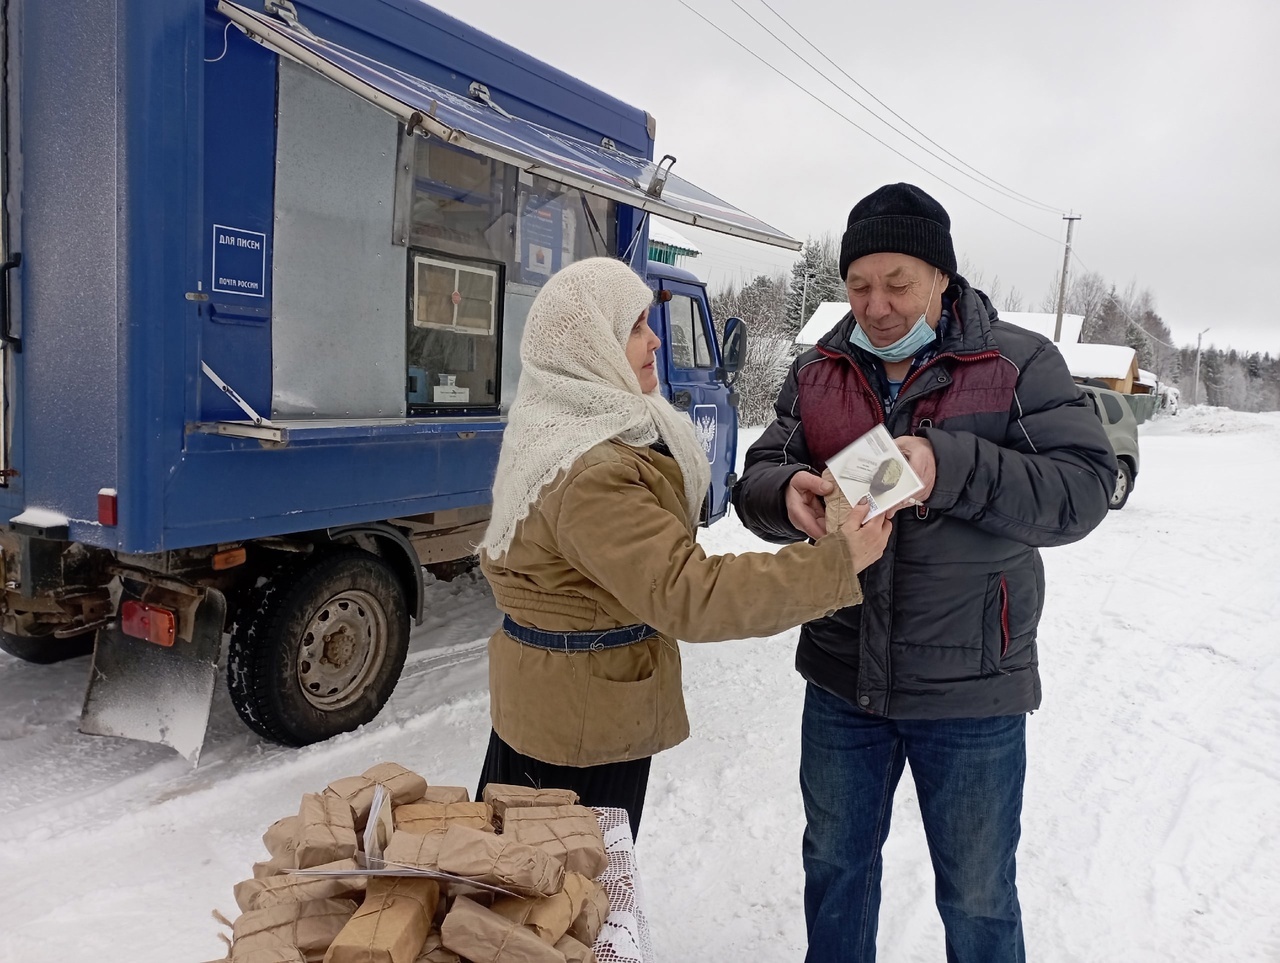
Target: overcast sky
[[1157, 120]]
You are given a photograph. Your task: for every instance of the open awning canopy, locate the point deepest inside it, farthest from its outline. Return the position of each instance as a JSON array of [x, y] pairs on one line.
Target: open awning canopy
[[483, 129]]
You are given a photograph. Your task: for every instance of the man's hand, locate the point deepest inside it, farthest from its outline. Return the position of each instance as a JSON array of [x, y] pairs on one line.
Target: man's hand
[[804, 503], [919, 453]]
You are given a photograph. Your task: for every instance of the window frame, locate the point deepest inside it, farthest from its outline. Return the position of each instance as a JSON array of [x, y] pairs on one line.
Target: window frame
[[480, 265], [697, 323], [492, 273]]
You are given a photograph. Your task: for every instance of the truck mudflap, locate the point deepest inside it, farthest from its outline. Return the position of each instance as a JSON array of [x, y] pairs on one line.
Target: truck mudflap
[[158, 692]]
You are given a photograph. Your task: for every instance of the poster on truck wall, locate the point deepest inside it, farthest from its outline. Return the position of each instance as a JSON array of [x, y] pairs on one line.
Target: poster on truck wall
[[239, 261], [541, 237]]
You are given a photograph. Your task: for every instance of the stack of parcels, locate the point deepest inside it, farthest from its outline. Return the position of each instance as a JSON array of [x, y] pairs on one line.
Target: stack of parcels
[[414, 873]]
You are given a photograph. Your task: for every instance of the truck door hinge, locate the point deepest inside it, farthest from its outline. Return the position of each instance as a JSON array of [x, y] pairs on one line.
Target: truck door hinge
[[481, 93], [285, 11]]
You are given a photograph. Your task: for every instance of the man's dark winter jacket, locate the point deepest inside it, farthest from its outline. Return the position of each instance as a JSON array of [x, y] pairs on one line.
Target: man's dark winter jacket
[[947, 628]]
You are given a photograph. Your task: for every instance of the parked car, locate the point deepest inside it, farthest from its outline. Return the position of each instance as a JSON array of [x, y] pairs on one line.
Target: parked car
[[1122, 431]]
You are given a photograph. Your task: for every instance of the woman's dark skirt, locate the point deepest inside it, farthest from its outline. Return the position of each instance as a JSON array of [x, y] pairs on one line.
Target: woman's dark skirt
[[620, 785]]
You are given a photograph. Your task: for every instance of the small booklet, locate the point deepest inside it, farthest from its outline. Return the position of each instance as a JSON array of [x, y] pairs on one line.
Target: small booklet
[[874, 468]]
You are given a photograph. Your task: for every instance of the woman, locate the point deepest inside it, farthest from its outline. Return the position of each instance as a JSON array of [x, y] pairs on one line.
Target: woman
[[592, 556]]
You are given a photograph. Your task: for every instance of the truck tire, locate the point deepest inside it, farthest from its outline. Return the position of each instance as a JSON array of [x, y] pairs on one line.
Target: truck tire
[[318, 647], [46, 649], [1124, 485]]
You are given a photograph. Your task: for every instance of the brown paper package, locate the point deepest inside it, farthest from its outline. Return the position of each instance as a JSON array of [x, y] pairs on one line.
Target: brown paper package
[[574, 951], [391, 925], [310, 926], [274, 866], [500, 861], [502, 798], [281, 836], [838, 507], [569, 833], [279, 952], [433, 951], [482, 936], [326, 831], [290, 888], [590, 907], [423, 818], [549, 916], [445, 795], [410, 849], [404, 785]]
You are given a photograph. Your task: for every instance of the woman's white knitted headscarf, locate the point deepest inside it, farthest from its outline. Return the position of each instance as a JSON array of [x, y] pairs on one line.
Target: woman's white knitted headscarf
[[577, 389]]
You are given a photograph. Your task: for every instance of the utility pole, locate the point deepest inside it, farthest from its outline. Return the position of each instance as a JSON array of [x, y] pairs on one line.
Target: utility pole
[[1062, 286], [804, 297], [1195, 391]]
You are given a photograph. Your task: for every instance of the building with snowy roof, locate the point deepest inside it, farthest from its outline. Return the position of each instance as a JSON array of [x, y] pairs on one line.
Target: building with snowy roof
[[666, 244], [1042, 322], [826, 317]]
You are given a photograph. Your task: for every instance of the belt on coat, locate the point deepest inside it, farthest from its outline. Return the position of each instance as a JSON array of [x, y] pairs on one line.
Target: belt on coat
[[592, 641]]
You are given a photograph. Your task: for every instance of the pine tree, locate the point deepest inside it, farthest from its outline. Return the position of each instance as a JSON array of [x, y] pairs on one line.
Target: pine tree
[[815, 278]]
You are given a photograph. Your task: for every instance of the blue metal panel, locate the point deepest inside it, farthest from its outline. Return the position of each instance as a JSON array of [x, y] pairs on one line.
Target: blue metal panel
[[418, 39], [352, 474], [66, 439], [236, 240], [159, 88]]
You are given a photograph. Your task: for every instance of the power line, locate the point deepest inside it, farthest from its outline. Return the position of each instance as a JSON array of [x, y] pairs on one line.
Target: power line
[[852, 123], [1128, 317], [995, 185]]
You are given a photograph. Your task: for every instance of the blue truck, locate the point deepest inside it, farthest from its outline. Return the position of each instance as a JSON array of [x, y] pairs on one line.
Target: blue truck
[[263, 276]]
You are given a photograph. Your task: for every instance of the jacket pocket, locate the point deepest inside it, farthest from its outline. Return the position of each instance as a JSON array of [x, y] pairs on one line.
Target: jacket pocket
[[1014, 601], [620, 719], [995, 623]]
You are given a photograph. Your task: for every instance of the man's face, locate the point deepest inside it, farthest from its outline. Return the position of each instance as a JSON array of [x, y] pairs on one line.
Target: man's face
[[889, 292]]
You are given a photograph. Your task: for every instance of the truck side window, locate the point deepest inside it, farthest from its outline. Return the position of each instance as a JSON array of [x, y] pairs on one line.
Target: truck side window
[[462, 203], [453, 332], [483, 237], [688, 331]]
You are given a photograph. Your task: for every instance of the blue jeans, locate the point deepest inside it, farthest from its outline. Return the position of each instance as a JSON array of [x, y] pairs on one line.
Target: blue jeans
[[968, 774]]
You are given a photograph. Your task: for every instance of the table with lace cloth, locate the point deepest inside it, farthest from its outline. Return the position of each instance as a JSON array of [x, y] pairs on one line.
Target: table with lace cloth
[[624, 938]]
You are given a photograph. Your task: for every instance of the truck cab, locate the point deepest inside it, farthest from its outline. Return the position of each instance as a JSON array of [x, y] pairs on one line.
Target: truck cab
[[694, 375]]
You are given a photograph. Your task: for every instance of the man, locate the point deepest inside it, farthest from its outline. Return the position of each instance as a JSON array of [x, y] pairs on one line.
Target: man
[[938, 666]]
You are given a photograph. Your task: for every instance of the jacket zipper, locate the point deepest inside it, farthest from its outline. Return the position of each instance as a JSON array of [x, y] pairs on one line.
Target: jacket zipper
[[922, 511], [841, 356], [1004, 617], [951, 355]]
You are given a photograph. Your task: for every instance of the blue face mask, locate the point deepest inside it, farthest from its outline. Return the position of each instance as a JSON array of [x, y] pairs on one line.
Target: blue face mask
[[920, 335]]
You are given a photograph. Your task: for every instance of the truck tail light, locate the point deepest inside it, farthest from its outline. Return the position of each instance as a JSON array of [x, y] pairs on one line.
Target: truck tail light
[[148, 622], [108, 507]]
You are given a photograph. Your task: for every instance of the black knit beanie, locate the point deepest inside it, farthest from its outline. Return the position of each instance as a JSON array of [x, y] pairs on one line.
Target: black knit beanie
[[899, 219]]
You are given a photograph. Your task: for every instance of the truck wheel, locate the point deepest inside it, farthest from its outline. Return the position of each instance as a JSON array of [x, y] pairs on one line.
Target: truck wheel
[[45, 649], [1124, 484], [318, 648]]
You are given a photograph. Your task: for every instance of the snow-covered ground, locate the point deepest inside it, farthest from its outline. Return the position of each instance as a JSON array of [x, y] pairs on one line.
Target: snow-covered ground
[[1153, 794]]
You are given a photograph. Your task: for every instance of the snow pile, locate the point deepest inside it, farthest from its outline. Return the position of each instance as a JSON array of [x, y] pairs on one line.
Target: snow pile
[[1207, 420]]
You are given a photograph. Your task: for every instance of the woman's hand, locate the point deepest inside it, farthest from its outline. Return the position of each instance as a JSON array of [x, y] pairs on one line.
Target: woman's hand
[[866, 539]]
